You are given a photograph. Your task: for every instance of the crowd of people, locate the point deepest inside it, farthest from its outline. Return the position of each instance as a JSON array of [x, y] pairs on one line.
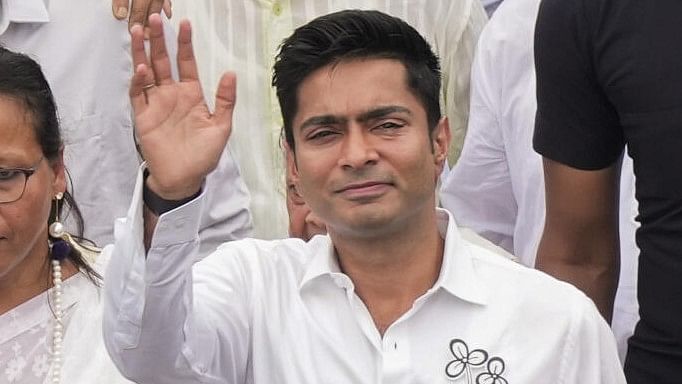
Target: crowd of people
[[376, 191]]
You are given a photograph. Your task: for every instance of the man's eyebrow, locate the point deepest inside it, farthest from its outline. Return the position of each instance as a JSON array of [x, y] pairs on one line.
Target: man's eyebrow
[[363, 117], [322, 120], [382, 112]]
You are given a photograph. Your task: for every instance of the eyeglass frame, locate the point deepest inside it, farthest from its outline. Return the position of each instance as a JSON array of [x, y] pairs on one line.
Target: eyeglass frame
[[28, 172]]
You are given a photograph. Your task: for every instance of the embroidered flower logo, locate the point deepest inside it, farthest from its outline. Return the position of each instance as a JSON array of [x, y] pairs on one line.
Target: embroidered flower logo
[[464, 359], [494, 373]]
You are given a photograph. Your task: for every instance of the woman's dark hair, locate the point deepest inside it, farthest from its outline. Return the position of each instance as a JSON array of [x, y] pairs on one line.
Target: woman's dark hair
[[355, 34], [22, 79]]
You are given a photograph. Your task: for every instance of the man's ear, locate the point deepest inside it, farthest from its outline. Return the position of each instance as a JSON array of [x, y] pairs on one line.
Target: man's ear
[[441, 142], [292, 168]]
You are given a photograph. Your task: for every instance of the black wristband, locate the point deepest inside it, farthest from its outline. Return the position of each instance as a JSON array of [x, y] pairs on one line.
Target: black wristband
[[158, 204]]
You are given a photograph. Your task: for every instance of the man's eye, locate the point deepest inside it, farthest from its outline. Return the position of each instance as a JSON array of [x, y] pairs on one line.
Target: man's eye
[[389, 125], [320, 135], [9, 174]]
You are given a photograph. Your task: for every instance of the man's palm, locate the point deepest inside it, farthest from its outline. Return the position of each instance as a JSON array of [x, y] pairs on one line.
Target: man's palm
[[180, 139]]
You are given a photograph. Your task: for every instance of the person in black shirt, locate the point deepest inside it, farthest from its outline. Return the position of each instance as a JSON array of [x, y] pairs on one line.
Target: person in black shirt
[[609, 73]]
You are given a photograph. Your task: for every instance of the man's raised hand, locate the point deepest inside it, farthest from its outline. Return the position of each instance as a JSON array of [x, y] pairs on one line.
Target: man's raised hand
[[180, 139]]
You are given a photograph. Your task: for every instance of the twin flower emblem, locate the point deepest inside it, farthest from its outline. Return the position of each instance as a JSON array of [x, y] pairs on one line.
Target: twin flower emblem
[[465, 360]]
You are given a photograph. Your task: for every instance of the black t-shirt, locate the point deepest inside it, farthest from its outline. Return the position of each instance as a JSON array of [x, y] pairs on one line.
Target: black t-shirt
[[609, 72]]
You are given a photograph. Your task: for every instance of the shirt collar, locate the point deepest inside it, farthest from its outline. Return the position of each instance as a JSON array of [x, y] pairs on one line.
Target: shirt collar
[[458, 275], [323, 262], [22, 11]]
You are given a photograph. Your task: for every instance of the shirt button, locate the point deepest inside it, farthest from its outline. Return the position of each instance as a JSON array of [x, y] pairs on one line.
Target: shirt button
[[390, 346], [277, 8]]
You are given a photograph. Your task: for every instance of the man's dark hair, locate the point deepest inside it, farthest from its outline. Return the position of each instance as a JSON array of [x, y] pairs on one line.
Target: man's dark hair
[[354, 34], [22, 80]]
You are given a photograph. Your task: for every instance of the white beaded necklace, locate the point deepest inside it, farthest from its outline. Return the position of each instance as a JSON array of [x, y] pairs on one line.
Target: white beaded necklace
[[57, 253], [58, 328]]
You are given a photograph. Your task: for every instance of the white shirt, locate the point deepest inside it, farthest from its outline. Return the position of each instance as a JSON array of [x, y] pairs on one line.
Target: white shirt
[[244, 36], [497, 186], [281, 311], [85, 55], [26, 337], [490, 6]]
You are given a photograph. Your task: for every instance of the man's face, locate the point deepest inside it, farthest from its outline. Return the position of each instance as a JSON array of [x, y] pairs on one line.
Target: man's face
[[364, 161]]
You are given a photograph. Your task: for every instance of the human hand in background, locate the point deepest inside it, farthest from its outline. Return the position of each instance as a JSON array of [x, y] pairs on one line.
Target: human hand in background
[[138, 11]]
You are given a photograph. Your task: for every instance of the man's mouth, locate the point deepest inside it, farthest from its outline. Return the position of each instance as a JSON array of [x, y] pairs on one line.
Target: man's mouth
[[363, 190]]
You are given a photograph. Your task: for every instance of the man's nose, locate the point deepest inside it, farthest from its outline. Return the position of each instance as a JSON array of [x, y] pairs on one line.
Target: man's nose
[[358, 149]]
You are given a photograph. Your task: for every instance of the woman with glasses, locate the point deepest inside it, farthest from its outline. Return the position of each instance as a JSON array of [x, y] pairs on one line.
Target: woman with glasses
[[50, 304]]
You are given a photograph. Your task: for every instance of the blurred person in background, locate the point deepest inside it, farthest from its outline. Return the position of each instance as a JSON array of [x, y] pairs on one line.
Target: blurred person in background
[[497, 186], [608, 79], [84, 52]]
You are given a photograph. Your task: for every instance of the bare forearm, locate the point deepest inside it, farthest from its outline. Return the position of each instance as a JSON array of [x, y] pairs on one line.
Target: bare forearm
[[597, 277], [580, 242]]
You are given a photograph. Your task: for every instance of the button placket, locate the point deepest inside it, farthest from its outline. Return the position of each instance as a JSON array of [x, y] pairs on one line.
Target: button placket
[[396, 353]]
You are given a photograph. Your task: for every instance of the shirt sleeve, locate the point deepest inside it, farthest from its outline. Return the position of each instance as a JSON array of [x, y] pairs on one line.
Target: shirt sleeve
[[157, 326], [575, 124], [590, 354], [478, 191]]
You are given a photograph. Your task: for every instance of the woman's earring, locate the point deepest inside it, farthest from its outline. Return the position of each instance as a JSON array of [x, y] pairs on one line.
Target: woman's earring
[[60, 246]]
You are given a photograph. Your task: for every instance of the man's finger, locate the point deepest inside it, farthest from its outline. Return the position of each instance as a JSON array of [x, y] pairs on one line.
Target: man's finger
[[168, 8], [187, 64], [159, 55], [139, 55], [139, 11], [225, 99], [139, 88], [119, 9], [155, 7]]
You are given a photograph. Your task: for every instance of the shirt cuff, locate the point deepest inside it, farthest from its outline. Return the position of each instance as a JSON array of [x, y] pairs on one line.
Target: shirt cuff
[[179, 225]]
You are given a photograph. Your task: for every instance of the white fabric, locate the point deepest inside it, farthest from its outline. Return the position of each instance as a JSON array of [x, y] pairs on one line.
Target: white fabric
[[84, 53], [26, 334], [26, 338], [497, 186], [490, 6], [281, 311], [243, 36]]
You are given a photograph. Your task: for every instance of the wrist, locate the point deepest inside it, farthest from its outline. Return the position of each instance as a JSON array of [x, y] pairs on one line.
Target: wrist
[[162, 202]]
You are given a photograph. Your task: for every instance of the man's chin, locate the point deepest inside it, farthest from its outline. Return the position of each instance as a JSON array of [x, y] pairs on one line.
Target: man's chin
[[368, 226]]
